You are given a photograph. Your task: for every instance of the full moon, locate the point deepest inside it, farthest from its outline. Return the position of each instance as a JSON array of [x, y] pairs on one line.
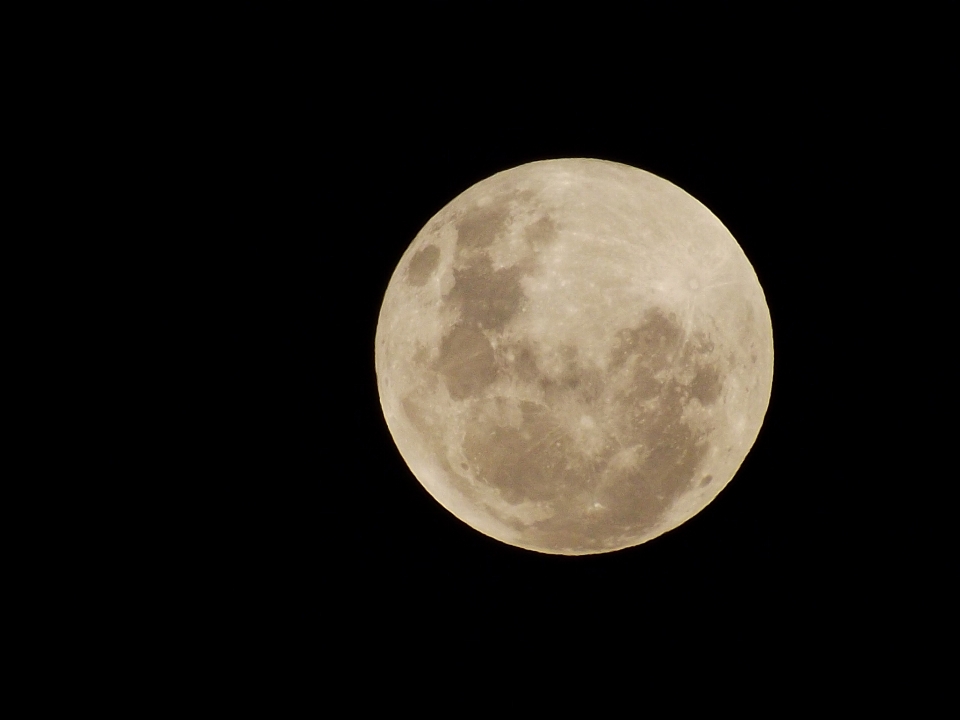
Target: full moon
[[574, 356]]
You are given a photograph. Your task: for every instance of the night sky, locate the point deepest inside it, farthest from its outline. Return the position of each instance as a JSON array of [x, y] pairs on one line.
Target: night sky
[[307, 150]]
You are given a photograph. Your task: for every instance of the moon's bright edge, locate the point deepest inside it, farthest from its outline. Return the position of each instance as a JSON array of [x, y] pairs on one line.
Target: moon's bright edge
[[574, 356]]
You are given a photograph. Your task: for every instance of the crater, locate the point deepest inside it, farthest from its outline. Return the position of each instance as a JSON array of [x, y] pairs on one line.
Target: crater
[[536, 461], [466, 362], [487, 298], [659, 454], [523, 361], [670, 453], [645, 386], [706, 385], [649, 456], [422, 265], [421, 356], [425, 426], [542, 232], [415, 416], [480, 226], [570, 378], [655, 341]]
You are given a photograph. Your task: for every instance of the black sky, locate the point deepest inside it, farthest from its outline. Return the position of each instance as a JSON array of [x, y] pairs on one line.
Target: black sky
[[305, 151]]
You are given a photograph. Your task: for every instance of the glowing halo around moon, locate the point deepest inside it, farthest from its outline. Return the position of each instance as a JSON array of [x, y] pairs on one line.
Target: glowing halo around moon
[[574, 356]]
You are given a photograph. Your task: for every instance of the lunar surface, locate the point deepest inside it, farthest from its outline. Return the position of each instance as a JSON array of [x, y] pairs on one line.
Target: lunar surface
[[574, 356]]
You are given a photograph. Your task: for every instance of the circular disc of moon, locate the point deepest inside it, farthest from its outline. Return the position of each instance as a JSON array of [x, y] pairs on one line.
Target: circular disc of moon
[[574, 356]]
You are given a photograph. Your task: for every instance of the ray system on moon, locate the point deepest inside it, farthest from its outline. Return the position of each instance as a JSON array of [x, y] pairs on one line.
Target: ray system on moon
[[574, 356]]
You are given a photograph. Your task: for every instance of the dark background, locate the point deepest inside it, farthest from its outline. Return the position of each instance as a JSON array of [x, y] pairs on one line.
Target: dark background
[[294, 156]]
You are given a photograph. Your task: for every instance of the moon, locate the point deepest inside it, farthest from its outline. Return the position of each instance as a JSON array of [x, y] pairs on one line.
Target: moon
[[574, 356]]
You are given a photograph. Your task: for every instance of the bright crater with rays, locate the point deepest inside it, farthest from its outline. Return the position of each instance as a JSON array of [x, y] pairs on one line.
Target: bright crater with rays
[[574, 356]]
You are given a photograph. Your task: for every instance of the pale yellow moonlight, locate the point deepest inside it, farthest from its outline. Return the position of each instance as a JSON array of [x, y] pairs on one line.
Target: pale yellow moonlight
[[574, 356]]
